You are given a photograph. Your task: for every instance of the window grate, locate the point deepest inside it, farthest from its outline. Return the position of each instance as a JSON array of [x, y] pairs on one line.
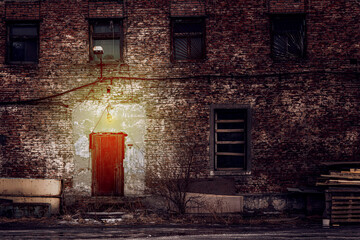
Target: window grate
[[288, 36], [230, 138], [188, 38]]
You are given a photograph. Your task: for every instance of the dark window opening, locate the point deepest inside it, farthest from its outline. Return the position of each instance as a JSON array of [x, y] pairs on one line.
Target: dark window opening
[[288, 36], [230, 141], [108, 35], [188, 38], [23, 43]]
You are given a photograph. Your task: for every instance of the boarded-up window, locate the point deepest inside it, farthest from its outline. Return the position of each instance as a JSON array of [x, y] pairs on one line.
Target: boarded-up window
[[108, 35], [230, 138], [23, 42], [288, 36], [188, 38]]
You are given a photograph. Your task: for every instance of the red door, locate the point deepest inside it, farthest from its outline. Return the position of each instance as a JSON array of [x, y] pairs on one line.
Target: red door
[[107, 154]]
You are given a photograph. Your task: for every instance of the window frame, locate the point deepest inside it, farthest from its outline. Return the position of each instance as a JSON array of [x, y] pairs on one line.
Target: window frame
[[247, 157], [10, 38], [190, 19], [105, 36], [285, 17]]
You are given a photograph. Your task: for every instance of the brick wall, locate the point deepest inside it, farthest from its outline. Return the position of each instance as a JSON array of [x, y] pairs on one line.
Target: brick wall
[[22, 10], [304, 112], [110, 9], [285, 6], [187, 8]]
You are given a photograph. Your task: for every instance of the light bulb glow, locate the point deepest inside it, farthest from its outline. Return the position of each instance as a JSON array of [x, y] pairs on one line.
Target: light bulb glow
[[109, 117]]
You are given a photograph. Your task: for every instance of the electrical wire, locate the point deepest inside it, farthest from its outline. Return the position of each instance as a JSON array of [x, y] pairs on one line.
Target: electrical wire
[[102, 114], [84, 99], [32, 101]]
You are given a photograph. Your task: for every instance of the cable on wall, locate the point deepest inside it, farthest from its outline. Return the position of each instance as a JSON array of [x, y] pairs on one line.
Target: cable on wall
[[33, 101]]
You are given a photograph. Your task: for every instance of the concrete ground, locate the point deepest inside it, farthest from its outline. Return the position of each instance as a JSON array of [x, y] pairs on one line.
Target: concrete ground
[[60, 229]]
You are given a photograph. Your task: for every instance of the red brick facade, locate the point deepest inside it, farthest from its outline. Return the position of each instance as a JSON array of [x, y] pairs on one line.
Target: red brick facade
[[304, 111]]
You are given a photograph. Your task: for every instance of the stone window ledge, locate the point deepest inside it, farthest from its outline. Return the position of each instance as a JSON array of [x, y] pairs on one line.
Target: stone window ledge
[[230, 173]]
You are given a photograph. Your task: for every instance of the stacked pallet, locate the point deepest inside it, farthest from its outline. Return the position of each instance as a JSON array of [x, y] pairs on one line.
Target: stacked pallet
[[344, 205], [342, 193], [349, 177]]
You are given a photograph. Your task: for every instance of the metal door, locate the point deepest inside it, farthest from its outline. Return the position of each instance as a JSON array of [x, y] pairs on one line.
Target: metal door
[[107, 154]]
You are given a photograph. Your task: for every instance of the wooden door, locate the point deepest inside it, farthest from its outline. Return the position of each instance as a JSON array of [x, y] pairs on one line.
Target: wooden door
[[107, 154]]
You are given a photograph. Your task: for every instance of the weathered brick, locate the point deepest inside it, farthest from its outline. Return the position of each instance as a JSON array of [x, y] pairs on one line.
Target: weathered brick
[[304, 112]]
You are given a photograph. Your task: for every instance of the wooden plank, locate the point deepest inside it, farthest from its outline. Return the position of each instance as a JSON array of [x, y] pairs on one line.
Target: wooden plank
[[345, 197], [349, 172], [229, 130], [349, 211], [230, 142], [337, 184], [343, 190], [340, 163], [350, 201], [346, 220], [345, 217], [344, 207], [230, 154], [344, 176], [349, 215], [230, 121], [344, 181], [346, 203]]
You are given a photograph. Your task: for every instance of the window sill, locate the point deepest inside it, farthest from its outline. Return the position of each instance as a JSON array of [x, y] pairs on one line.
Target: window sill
[[233, 172], [21, 63], [33, 65], [289, 59], [189, 61], [96, 62]]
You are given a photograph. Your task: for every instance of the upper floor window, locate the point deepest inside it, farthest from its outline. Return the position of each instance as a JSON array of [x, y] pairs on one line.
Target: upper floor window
[[188, 38], [230, 127], [22, 42], [288, 36], [107, 34]]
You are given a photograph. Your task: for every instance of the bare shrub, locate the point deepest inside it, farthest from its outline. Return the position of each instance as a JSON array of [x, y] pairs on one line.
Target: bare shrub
[[171, 178]]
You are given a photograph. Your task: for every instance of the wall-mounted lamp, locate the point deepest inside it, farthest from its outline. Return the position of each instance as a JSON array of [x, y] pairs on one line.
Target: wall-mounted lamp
[[98, 50]]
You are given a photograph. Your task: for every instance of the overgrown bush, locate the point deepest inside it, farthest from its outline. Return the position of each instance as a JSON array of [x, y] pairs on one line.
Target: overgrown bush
[[171, 178]]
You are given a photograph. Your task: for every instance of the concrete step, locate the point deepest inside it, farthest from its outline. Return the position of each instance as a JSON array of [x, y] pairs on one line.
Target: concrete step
[[104, 215], [18, 210]]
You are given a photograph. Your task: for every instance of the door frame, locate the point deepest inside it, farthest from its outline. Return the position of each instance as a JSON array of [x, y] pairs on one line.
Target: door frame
[[119, 167]]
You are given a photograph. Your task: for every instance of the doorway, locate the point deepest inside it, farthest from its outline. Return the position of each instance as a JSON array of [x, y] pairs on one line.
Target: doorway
[[107, 154]]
